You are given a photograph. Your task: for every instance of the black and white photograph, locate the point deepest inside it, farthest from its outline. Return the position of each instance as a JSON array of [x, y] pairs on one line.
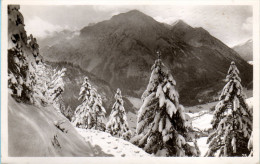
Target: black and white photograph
[[130, 81]]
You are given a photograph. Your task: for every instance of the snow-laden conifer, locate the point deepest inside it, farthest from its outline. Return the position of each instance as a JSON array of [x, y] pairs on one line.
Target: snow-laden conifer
[[82, 114], [55, 89], [161, 122], [91, 113], [232, 121], [41, 81], [117, 124]]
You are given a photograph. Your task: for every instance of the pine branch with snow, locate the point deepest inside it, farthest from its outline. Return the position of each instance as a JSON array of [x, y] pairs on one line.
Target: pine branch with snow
[[232, 119]]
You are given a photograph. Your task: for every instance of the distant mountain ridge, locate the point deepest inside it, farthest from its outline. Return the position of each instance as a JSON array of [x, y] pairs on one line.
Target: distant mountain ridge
[[122, 50], [245, 50]]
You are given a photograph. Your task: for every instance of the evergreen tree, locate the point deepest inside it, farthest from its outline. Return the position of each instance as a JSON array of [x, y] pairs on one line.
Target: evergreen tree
[[117, 124], [82, 116], [91, 113], [161, 124], [55, 90], [232, 119]]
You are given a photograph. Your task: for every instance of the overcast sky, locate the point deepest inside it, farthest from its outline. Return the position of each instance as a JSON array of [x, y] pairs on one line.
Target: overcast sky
[[231, 24]]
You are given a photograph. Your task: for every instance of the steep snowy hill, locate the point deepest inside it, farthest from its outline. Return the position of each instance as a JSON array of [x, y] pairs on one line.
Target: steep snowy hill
[[245, 50], [35, 132], [122, 50]]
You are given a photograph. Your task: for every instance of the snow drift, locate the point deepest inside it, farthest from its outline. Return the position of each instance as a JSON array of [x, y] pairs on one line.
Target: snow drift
[[39, 132]]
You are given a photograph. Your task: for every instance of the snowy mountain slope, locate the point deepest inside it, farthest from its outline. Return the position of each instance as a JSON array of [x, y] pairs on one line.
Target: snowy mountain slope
[[245, 50], [111, 145], [33, 132]]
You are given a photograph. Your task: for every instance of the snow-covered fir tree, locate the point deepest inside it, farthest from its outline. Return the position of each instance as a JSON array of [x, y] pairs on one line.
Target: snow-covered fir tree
[[232, 121], [161, 125], [40, 82], [82, 114], [117, 124], [91, 113]]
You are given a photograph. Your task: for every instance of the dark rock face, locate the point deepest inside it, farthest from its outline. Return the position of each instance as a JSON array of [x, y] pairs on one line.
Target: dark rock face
[[122, 50]]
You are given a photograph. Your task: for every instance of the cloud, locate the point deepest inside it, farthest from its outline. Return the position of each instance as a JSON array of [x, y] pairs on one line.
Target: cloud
[[40, 28], [248, 25], [230, 24]]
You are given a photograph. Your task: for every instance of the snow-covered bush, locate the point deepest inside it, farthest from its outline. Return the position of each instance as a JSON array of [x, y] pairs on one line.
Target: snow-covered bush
[[91, 113], [117, 124], [232, 121], [161, 124]]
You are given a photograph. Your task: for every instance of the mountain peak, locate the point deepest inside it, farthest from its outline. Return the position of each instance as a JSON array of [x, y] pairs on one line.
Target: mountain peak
[[180, 24], [134, 12], [132, 15]]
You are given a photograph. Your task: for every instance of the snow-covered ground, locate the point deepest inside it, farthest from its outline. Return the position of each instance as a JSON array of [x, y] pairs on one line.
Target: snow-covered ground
[[202, 145], [203, 122], [111, 145]]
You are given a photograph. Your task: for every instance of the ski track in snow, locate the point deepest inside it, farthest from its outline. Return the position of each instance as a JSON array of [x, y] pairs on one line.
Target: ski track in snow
[[111, 145]]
